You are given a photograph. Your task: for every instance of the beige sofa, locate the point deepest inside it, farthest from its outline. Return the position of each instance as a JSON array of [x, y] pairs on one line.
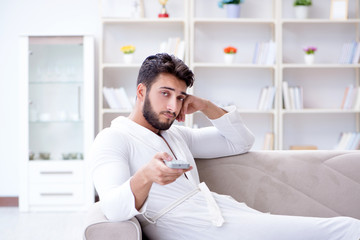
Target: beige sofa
[[305, 183]]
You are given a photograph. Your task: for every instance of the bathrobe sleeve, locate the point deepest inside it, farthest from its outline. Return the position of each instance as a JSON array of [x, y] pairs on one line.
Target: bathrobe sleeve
[[229, 136], [111, 176]]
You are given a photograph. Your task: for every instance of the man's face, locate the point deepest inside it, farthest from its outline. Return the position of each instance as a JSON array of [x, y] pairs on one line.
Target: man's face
[[164, 101]]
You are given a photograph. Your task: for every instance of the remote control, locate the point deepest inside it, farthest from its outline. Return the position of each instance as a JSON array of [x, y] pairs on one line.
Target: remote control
[[178, 164]]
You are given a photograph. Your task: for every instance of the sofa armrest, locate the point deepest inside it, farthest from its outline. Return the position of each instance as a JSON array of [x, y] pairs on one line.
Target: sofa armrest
[[98, 227]]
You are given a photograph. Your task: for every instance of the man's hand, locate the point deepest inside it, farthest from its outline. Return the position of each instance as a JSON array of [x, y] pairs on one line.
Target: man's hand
[[193, 104], [156, 170]]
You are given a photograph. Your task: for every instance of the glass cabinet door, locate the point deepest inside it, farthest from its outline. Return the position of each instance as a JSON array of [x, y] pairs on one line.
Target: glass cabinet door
[[56, 103], [56, 122]]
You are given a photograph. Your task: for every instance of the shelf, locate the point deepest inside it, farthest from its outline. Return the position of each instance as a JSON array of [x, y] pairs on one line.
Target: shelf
[[38, 161], [120, 65], [320, 111], [56, 121], [255, 111], [55, 82], [234, 20], [297, 65], [109, 110], [223, 65], [142, 20], [318, 20]]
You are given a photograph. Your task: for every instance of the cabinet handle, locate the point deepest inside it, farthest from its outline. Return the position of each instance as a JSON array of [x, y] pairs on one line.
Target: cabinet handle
[[57, 172], [55, 194]]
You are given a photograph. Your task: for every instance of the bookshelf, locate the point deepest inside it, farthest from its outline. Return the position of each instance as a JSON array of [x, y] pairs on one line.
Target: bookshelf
[[240, 83], [321, 121], [207, 31], [146, 34]]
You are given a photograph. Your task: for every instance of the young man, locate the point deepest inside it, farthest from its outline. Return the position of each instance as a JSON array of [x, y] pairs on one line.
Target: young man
[[132, 178]]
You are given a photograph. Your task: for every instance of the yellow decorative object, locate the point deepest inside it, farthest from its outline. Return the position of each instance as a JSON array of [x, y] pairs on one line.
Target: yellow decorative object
[[128, 49]]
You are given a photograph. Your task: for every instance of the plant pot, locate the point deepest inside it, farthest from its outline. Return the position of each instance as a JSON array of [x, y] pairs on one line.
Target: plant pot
[[232, 10], [229, 58], [309, 58], [301, 12], [128, 58]]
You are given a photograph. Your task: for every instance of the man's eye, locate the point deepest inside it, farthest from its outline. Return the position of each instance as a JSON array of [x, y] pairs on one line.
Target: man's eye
[[181, 99], [165, 94]]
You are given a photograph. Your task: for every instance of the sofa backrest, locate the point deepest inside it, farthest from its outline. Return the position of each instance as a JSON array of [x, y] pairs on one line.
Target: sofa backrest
[[303, 183]]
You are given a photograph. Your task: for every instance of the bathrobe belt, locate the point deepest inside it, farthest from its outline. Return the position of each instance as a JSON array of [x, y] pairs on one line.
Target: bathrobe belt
[[214, 210]]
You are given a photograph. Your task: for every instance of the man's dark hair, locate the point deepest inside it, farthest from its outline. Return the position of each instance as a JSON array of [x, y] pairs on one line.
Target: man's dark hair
[[164, 63]]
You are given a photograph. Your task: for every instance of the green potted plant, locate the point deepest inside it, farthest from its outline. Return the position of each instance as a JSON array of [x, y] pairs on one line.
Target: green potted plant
[[232, 7], [302, 8]]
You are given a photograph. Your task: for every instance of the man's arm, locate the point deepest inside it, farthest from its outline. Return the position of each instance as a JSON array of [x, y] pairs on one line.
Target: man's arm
[[230, 135], [193, 104], [153, 172]]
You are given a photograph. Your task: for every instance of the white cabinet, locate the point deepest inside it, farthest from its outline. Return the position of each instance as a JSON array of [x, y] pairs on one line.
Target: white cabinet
[[57, 114]]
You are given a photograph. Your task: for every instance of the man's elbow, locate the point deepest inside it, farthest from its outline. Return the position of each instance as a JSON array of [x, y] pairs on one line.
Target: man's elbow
[[247, 144]]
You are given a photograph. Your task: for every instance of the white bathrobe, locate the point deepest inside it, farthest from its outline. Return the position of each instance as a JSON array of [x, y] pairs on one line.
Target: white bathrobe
[[119, 151]]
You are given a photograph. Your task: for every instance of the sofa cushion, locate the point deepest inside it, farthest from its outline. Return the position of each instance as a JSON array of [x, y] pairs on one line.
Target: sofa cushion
[[305, 183]]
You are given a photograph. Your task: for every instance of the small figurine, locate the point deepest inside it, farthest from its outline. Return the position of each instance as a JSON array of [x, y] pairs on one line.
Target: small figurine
[[163, 13]]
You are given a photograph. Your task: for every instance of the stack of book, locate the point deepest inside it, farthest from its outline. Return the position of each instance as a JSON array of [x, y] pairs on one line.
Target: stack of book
[[349, 141], [266, 99], [351, 99], [350, 53], [269, 141], [174, 46], [293, 97], [117, 98], [264, 53]]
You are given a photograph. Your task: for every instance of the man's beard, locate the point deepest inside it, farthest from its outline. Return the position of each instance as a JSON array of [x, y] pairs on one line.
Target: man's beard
[[153, 119]]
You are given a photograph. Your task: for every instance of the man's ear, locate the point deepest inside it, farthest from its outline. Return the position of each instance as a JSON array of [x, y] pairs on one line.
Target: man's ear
[[141, 92]]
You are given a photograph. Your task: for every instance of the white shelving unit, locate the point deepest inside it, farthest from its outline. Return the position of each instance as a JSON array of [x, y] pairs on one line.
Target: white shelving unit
[[146, 34], [239, 83], [57, 112], [322, 120], [207, 31]]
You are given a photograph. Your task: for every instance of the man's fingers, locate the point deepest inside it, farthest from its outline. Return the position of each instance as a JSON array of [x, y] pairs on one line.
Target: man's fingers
[[163, 156]]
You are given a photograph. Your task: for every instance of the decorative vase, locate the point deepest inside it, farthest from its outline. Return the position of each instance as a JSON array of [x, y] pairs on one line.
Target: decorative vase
[[309, 58], [229, 58], [301, 12], [128, 58], [232, 10]]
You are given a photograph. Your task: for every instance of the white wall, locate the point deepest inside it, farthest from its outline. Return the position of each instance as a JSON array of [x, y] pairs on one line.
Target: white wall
[[35, 17]]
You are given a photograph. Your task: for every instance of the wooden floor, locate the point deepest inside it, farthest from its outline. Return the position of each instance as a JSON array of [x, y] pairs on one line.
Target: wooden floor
[[40, 226]]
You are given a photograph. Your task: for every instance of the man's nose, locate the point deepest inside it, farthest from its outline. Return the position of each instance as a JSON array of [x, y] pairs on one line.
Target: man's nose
[[173, 105]]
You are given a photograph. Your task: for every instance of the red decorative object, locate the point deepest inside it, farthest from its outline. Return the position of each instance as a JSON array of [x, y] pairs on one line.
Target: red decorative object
[[163, 15], [230, 50]]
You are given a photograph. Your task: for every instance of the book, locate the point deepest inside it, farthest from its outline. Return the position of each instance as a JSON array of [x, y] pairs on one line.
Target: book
[[303, 147], [269, 141], [117, 98], [286, 95], [357, 99], [266, 99], [173, 46], [347, 97], [122, 99], [110, 98], [262, 98], [264, 53]]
